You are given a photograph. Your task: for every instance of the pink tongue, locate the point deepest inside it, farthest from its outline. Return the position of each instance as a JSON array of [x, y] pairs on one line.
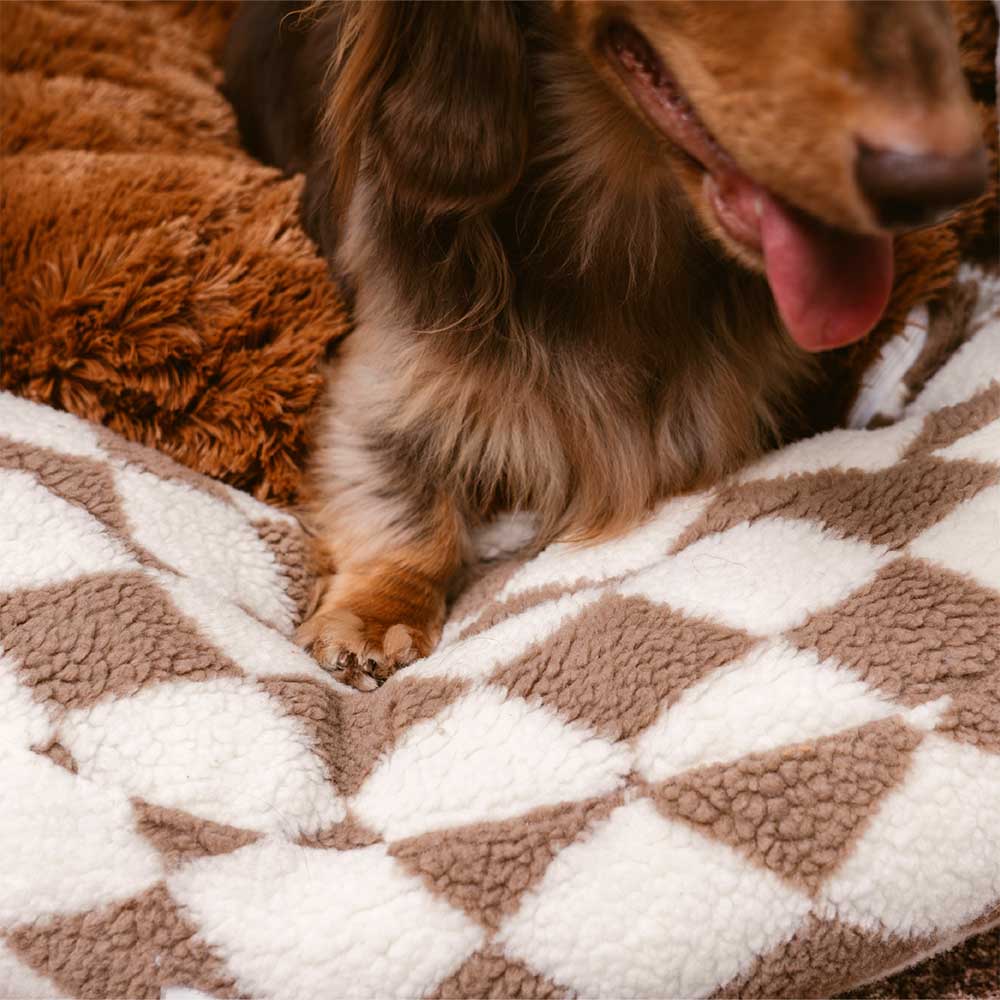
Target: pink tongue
[[831, 287]]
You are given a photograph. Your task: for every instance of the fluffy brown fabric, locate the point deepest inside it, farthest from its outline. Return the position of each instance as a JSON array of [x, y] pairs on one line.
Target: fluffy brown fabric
[[155, 277]]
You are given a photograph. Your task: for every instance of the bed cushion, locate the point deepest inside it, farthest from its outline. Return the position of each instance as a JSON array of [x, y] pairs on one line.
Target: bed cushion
[[752, 748]]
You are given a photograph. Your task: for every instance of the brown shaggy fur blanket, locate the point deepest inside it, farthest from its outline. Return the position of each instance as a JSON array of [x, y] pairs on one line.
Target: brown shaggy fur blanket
[[156, 278]]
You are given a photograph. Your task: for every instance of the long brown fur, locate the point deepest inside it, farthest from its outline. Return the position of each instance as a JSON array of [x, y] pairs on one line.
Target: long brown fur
[[548, 315]]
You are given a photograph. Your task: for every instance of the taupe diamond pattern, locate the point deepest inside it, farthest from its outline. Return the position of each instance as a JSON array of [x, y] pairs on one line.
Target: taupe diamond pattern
[[492, 811]]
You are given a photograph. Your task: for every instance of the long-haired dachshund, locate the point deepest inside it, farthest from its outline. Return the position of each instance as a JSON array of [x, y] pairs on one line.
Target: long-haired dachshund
[[593, 247]]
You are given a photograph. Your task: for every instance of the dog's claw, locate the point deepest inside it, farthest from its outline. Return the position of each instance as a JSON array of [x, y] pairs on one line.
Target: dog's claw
[[358, 680], [358, 656]]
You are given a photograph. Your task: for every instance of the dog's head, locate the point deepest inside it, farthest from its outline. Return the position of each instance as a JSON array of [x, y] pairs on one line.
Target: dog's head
[[801, 134]]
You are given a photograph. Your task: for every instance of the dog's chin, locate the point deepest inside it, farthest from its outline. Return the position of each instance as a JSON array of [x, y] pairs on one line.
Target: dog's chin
[[830, 286]]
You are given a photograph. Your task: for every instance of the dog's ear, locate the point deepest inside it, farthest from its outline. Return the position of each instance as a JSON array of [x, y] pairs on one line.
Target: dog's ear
[[434, 96]]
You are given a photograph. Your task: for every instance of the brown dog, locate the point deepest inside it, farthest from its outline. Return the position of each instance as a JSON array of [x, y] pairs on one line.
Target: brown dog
[[593, 246]]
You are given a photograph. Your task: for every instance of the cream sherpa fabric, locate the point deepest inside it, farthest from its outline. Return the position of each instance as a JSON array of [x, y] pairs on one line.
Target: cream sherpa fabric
[[751, 749]]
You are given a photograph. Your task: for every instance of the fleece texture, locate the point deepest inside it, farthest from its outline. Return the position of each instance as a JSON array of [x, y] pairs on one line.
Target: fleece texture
[[156, 278], [750, 749]]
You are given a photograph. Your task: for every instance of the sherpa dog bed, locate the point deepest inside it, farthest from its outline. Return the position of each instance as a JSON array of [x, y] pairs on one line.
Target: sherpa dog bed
[[609, 779], [753, 748]]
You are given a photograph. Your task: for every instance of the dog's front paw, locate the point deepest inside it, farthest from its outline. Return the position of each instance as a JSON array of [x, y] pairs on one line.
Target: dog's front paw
[[362, 653]]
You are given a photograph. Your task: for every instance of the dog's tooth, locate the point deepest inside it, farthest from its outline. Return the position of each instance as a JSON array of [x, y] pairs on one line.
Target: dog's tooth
[[758, 205]]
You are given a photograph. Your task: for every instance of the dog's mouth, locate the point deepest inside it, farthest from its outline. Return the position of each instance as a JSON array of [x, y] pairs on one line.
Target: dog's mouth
[[830, 286]]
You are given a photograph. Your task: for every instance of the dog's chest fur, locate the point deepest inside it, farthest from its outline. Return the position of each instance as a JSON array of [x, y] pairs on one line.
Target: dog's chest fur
[[583, 376], [587, 425]]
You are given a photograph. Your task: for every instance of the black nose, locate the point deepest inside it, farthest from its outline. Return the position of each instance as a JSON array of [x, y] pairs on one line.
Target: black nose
[[907, 190]]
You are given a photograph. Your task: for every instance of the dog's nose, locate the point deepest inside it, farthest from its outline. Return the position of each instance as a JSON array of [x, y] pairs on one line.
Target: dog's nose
[[914, 189]]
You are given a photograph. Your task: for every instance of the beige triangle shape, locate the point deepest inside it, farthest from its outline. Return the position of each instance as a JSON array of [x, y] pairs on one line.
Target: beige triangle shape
[[347, 835], [887, 507], [58, 754], [103, 636], [916, 631], [179, 836], [77, 480], [351, 731], [824, 958], [947, 425], [617, 664], [129, 949], [485, 868], [799, 810], [488, 974]]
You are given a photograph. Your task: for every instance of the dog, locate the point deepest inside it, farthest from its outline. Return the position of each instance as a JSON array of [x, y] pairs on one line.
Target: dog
[[593, 250]]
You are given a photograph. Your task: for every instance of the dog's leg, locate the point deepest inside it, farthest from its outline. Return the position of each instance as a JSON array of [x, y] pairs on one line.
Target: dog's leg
[[395, 542]]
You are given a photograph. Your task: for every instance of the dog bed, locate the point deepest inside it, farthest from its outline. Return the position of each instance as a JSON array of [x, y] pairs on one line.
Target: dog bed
[[751, 749]]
